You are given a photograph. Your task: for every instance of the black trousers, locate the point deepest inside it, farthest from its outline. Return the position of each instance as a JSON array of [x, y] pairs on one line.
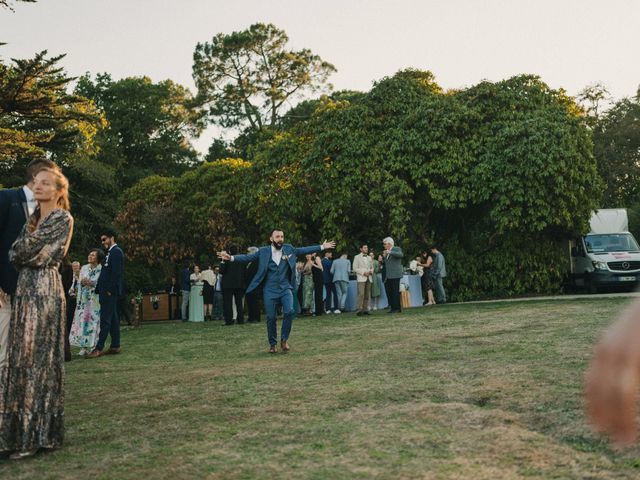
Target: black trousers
[[318, 291], [229, 295], [253, 306], [71, 310], [392, 287]]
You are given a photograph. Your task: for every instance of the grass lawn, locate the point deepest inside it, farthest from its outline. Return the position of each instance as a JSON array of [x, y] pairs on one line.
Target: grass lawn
[[479, 391]]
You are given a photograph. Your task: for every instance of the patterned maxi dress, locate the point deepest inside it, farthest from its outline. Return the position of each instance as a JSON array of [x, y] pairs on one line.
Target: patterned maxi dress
[[307, 287], [86, 319], [32, 384]]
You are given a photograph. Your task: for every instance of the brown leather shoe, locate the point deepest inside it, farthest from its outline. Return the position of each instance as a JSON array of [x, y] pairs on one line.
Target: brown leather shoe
[[112, 351], [273, 349], [284, 346], [95, 354]]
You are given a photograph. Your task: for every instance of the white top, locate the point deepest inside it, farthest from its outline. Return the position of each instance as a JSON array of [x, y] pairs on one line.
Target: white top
[[195, 277], [31, 201], [276, 255], [209, 277]]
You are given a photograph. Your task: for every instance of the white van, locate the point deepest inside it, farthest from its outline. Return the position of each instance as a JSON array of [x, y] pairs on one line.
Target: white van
[[608, 256]]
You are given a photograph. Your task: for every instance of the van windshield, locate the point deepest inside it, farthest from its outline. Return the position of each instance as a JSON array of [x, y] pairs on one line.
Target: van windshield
[[611, 242]]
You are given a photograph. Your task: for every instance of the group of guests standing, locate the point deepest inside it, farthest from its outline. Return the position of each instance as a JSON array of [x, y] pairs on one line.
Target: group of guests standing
[[219, 293], [35, 233]]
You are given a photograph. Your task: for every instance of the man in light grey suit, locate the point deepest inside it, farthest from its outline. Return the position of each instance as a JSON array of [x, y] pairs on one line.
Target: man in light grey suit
[[340, 270], [439, 271], [392, 256]]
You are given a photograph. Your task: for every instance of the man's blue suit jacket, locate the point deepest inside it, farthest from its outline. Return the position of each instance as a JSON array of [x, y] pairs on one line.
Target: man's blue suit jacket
[[263, 255], [13, 215], [111, 277]]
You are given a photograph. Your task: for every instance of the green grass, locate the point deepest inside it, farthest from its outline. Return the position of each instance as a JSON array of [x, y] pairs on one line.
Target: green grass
[[458, 391]]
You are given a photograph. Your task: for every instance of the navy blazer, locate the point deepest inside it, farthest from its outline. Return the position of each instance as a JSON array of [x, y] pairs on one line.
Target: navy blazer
[[263, 255], [111, 277], [14, 213]]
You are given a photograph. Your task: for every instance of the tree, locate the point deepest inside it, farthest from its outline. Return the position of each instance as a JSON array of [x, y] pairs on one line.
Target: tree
[[246, 78], [616, 137], [149, 126], [594, 99], [165, 220], [499, 174], [38, 117]]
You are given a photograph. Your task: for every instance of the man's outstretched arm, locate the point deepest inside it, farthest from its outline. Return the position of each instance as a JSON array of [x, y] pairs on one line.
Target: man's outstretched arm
[[314, 248]]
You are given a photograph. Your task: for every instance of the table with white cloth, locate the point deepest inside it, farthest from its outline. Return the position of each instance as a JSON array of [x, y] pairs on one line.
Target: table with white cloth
[[415, 293]]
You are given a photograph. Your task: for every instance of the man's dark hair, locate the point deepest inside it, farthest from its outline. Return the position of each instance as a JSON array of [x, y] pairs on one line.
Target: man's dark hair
[[434, 245], [35, 166], [276, 230], [109, 233], [363, 244]]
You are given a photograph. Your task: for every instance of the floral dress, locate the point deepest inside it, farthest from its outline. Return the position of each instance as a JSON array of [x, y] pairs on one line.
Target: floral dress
[[32, 384], [86, 319], [307, 286]]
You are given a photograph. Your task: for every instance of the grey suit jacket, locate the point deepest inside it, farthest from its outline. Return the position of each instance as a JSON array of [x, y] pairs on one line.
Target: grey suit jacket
[[439, 268], [393, 263]]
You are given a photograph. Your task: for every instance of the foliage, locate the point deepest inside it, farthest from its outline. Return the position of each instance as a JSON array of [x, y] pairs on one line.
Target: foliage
[[247, 78], [168, 220], [616, 139], [39, 118], [478, 170], [150, 126]]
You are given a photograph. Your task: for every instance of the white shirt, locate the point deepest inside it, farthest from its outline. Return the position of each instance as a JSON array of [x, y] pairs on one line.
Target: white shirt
[[31, 201], [276, 255]]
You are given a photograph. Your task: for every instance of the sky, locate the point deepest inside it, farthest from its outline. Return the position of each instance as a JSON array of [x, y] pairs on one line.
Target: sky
[[570, 44]]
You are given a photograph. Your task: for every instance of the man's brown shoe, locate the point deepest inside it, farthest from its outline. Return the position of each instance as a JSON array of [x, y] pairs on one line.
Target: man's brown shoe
[[284, 346], [273, 349], [95, 354], [113, 351]]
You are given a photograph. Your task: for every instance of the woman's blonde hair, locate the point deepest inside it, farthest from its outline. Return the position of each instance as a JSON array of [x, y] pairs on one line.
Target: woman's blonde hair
[[62, 186]]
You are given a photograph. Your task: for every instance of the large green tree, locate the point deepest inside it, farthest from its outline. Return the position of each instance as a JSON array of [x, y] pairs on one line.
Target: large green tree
[[499, 174], [150, 125], [39, 117], [616, 137], [248, 78]]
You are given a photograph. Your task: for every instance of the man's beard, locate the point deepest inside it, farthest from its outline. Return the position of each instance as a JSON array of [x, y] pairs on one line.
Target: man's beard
[[276, 245]]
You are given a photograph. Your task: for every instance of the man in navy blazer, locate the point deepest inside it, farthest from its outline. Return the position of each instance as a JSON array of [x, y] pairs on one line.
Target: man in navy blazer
[[16, 206], [276, 268], [110, 288]]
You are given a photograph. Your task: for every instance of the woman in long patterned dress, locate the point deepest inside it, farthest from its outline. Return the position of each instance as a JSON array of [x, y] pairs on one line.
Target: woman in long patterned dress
[[86, 320], [307, 285], [32, 396]]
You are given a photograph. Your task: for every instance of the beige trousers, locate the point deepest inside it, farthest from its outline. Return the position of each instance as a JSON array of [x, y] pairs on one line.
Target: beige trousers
[[364, 293]]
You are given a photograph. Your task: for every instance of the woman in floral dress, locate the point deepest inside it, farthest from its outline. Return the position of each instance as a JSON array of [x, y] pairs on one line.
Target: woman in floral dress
[[32, 384], [86, 320]]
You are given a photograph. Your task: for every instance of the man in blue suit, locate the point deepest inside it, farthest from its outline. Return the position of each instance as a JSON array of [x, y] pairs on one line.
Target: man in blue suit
[[110, 288], [276, 275], [16, 206]]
